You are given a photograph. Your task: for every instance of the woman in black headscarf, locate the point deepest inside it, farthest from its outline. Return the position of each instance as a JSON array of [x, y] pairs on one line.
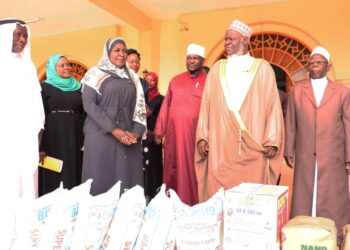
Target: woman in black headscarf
[[116, 120]]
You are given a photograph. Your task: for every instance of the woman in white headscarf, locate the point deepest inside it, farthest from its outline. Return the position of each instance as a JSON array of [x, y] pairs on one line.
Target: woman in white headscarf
[[114, 102]]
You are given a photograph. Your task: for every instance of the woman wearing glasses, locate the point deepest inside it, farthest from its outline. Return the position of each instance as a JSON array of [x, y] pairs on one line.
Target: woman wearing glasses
[[64, 118]]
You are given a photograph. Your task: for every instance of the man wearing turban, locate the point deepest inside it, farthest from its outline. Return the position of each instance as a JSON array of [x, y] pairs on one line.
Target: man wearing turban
[[318, 142], [177, 122], [240, 133]]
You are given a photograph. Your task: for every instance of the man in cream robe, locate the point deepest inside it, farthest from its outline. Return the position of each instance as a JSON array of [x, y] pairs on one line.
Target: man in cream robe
[[240, 132]]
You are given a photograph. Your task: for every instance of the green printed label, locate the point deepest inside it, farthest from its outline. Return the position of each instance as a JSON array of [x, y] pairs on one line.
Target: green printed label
[[310, 247]]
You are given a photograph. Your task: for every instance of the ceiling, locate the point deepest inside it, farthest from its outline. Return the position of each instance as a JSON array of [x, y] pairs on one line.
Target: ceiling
[[53, 17]]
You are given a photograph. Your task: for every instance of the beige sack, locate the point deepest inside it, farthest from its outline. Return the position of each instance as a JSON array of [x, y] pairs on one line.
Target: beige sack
[[309, 233], [346, 232]]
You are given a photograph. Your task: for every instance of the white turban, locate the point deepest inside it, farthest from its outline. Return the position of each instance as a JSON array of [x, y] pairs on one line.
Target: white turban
[[195, 49], [321, 51], [240, 27]]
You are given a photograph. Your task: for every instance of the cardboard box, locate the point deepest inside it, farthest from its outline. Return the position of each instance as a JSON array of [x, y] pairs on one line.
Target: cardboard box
[[254, 215]]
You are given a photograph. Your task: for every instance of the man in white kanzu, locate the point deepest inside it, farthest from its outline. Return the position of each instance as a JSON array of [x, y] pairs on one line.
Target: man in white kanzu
[[318, 142], [22, 120]]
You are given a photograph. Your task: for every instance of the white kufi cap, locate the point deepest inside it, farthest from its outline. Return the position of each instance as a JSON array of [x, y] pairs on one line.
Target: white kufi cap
[[240, 27], [195, 49], [321, 51]]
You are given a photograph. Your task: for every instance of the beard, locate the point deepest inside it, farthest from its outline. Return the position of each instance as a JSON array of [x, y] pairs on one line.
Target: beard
[[192, 72], [240, 50]]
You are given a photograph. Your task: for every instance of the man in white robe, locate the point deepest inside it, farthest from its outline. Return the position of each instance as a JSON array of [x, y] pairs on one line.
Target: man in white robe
[[22, 118]]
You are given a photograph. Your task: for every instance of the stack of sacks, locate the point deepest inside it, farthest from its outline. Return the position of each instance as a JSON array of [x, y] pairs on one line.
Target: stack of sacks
[[254, 216], [127, 219], [306, 233], [157, 230], [346, 242], [74, 219], [199, 227], [94, 217]]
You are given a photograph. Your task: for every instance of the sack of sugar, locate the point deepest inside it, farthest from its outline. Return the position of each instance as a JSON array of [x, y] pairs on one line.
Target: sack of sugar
[[61, 222], [157, 229], [200, 226], [32, 219], [127, 219], [94, 217]]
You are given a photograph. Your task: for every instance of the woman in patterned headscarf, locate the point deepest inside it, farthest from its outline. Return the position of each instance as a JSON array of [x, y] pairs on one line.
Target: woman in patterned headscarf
[[63, 134], [116, 120]]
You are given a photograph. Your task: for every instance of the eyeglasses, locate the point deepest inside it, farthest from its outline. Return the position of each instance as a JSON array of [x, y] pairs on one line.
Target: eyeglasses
[[317, 63]]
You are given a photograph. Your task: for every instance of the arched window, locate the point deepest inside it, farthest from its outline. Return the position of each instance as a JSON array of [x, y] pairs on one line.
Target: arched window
[[284, 52]]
